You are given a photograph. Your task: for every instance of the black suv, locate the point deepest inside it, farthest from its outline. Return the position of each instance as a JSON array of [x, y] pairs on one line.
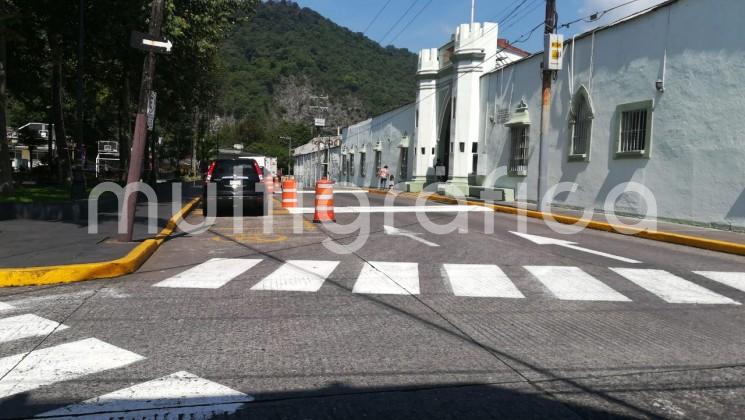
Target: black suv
[[236, 179]]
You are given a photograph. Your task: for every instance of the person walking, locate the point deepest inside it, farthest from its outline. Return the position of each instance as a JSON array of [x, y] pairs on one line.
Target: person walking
[[383, 176]]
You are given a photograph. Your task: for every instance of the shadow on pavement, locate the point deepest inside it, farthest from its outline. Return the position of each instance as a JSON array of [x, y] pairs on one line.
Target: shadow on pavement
[[337, 401]]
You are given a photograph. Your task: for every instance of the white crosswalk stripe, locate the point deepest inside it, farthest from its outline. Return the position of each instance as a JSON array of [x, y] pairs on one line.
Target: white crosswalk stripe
[[298, 276], [388, 278], [211, 274], [734, 280], [466, 280], [5, 307], [27, 371], [571, 283], [173, 396], [671, 288], [480, 280], [26, 326]]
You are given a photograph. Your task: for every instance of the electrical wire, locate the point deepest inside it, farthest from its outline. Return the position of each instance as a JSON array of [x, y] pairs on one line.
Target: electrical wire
[[510, 15], [518, 18], [377, 15], [523, 38], [597, 15], [410, 22], [411, 6]]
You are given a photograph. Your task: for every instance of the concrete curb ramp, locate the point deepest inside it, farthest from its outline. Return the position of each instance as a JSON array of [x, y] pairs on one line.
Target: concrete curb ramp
[[36, 276], [673, 238]]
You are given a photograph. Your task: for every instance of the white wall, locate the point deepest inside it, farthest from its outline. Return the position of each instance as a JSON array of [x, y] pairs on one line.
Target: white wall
[[308, 169], [696, 169], [388, 129]]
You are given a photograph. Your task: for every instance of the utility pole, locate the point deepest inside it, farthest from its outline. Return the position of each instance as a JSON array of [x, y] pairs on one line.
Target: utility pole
[[319, 121], [288, 139], [548, 75], [140, 133]]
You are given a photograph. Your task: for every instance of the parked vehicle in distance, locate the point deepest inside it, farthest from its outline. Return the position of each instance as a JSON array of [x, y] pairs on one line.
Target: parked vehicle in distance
[[236, 180]]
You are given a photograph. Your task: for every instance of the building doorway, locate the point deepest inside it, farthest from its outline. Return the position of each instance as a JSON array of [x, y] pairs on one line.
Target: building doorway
[[443, 146]]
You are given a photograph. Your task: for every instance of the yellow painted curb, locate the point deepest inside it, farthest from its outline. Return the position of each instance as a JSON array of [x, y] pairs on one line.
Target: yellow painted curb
[[35, 276], [673, 238]]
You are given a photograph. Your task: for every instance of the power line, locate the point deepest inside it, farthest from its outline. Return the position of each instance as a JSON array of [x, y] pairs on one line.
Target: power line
[[523, 38], [410, 22], [597, 15], [505, 9], [518, 18], [501, 21], [411, 6], [376, 16], [506, 18]]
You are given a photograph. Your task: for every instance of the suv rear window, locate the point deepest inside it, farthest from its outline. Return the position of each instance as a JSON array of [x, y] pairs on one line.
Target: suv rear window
[[239, 168]]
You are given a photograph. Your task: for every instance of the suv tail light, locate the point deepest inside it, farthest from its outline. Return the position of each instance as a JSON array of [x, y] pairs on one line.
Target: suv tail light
[[258, 171], [208, 178]]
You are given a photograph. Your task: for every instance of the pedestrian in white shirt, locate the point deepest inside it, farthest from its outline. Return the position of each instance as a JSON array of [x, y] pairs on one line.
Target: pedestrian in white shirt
[[383, 175]]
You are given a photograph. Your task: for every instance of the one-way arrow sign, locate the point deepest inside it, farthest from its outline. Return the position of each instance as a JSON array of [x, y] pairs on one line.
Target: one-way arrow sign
[[147, 42], [542, 240]]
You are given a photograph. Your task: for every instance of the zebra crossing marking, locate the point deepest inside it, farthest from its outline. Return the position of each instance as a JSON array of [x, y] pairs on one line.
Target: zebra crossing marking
[[298, 276], [671, 288], [388, 278], [212, 274], [466, 280], [572, 283], [172, 396], [480, 280], [27, 371], [27, 326], [733, 280]]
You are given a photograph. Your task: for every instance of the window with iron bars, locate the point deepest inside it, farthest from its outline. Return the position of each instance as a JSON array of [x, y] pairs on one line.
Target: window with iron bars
[[581, 126], [634, 133], [520, 137]]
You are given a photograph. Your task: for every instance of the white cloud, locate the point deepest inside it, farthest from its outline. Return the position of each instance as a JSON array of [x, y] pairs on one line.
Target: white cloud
[[592, 6]]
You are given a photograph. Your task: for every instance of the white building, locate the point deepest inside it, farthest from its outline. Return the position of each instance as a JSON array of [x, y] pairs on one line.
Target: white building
[[655, 100], [316, 159]]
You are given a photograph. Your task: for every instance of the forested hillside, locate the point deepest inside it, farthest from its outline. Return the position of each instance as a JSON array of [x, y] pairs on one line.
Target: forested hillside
[[284, 55], [241, 71]]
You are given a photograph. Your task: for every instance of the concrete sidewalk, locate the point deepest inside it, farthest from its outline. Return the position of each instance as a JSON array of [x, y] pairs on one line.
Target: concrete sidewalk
[[663, 226], [32, 243], [734, 237]]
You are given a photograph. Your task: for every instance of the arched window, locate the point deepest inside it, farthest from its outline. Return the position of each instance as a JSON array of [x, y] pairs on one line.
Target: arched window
[[580, 125]]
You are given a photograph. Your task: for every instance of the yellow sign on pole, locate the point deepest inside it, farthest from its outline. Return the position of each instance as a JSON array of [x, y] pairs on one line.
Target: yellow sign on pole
[[553, 51]]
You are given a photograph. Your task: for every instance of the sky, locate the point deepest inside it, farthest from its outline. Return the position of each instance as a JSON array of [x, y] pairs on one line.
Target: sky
[[418, 24]]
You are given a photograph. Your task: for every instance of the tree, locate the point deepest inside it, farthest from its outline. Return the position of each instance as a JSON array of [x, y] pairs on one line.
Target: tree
[[6, 177]]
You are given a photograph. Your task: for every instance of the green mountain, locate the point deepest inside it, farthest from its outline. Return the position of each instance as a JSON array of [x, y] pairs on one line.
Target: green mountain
[[275, 64]]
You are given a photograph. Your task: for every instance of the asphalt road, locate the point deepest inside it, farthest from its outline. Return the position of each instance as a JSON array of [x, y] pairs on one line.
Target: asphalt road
[[476, 323]]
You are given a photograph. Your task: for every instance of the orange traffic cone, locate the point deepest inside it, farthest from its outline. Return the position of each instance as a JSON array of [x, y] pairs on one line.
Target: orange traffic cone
[[269, 184], [324, 202], [289, 193]]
